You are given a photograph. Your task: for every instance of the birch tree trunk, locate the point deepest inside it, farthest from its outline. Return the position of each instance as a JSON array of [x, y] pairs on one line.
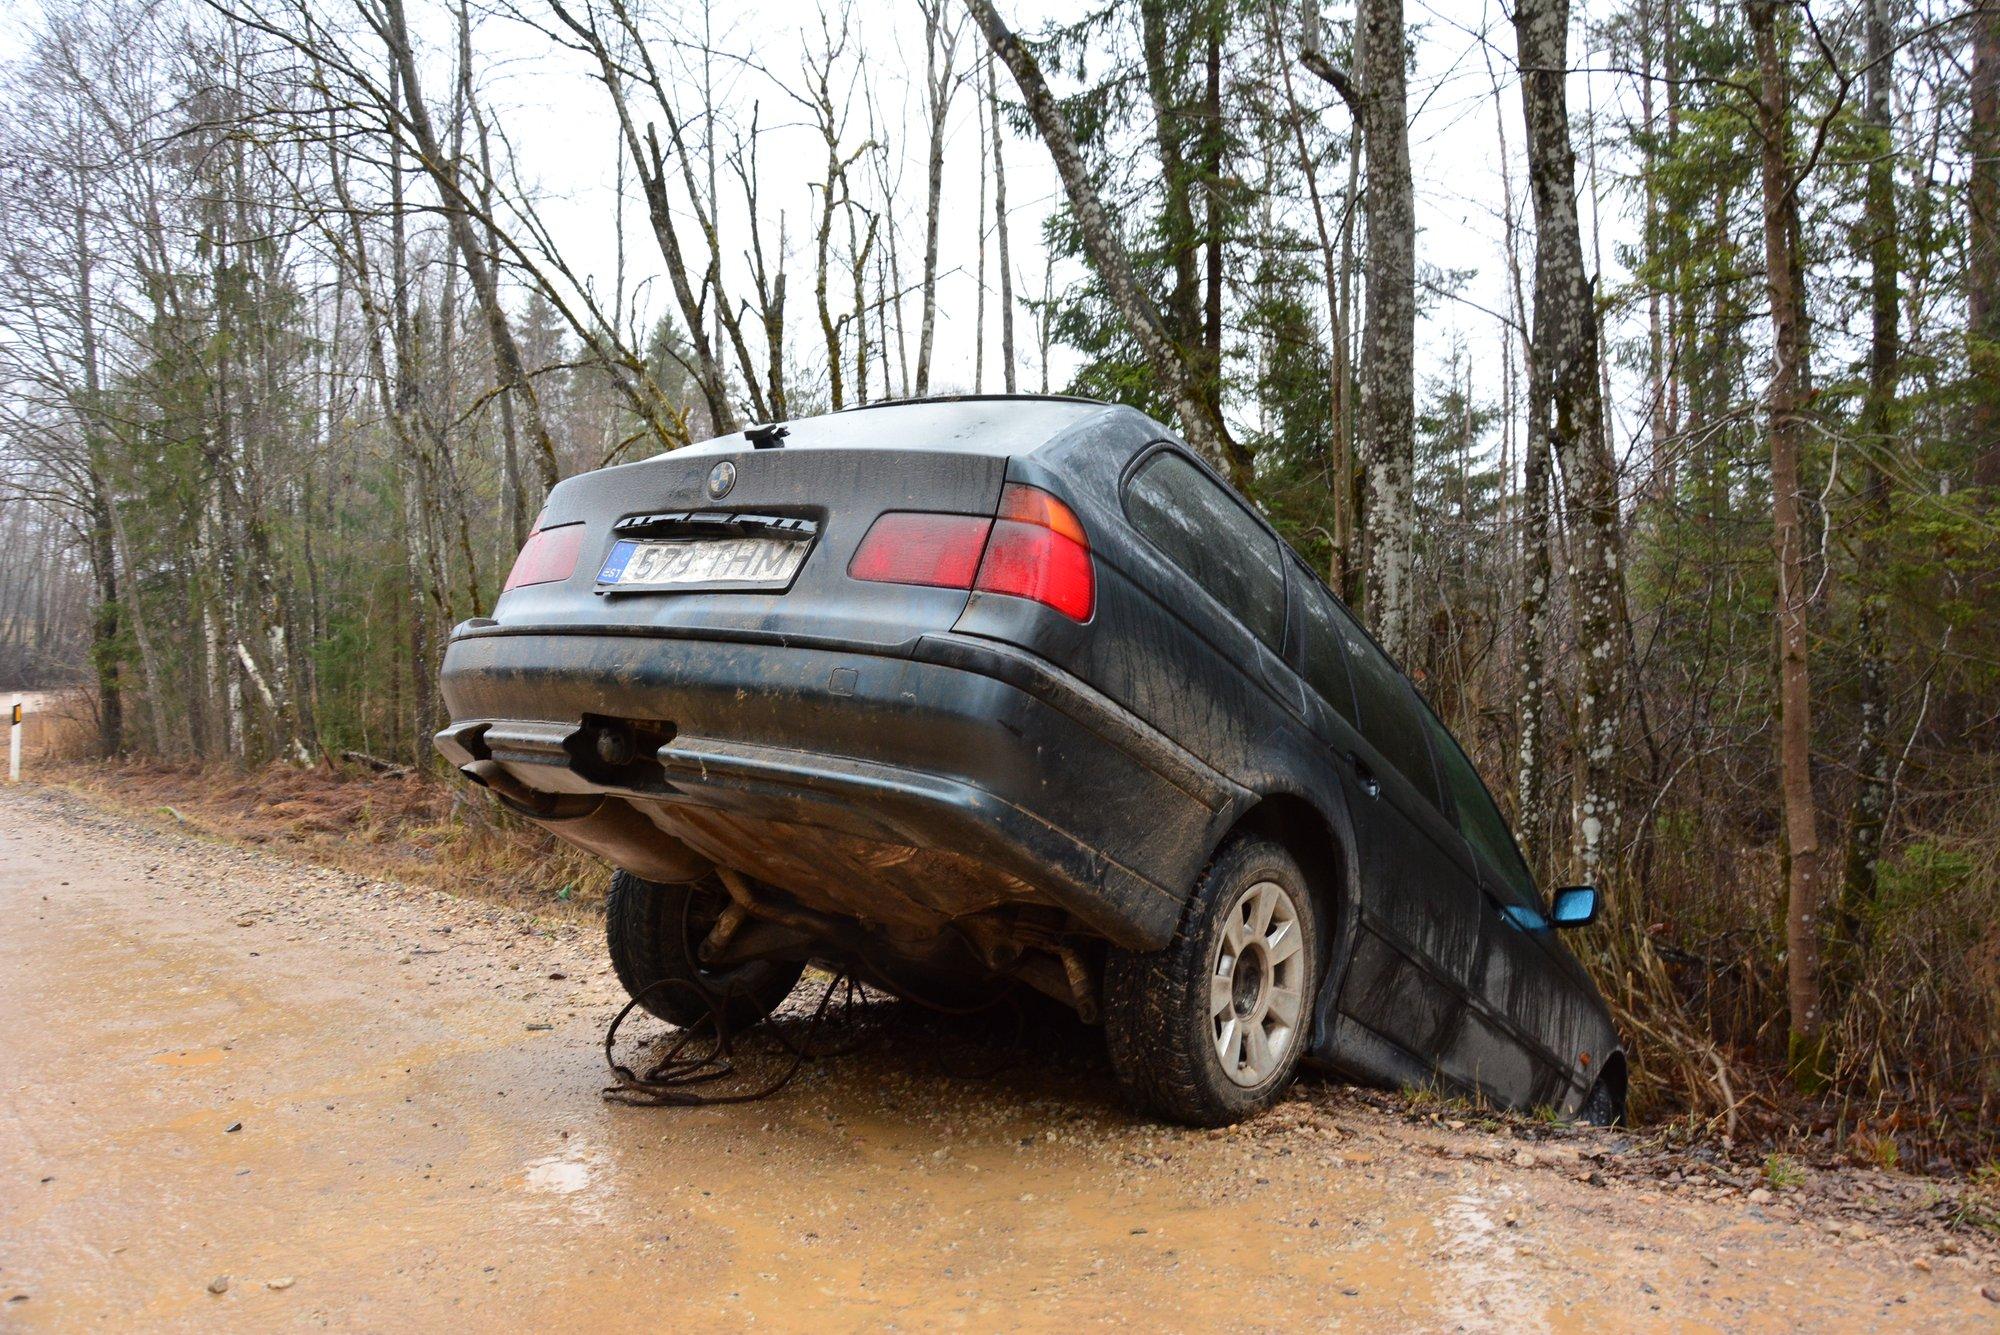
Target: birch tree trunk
[[1788, 398], [1566, 414], [1387, 422]]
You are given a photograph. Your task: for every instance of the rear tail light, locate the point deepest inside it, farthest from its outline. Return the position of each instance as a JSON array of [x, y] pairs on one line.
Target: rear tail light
[[548, 555], [1034, 548], [904, 547]]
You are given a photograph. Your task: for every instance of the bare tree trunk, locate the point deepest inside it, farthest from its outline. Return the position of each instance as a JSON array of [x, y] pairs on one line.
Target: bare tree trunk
[[516, 502], [1537, 569], [941, 37], [1387, 425], [1349, 515], [1000, 226], [1044, 318], [1789, 397], [1659, 472], [1566, 413], [860, 246], [825, 105], [1982, 248], [1870, 807], [979, 269], [1334, 243], [1200, 421], [103, 549], [177, 738]]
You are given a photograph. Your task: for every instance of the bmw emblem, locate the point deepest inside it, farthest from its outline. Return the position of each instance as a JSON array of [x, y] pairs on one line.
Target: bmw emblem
[[720, 479]]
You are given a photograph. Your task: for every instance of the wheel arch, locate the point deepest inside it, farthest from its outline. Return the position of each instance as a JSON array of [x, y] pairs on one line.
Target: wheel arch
[[1616, 1076], [1324, 846]]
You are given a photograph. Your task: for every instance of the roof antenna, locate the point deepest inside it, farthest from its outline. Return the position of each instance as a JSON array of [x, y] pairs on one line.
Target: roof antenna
[[768, 437]]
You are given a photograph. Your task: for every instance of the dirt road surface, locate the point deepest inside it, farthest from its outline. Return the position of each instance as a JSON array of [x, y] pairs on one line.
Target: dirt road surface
[[241, 1092]]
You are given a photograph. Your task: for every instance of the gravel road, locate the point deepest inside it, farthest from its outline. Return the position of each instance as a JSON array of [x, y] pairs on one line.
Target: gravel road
[[238, 1091]]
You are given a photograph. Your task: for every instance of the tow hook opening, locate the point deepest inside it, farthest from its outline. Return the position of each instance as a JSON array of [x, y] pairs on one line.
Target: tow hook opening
[[620, 752]]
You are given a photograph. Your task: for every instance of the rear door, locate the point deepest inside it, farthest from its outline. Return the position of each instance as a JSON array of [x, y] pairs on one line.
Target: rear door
[[1418, 944]]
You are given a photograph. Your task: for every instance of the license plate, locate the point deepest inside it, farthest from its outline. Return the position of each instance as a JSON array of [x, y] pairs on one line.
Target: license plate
[[724, 563]]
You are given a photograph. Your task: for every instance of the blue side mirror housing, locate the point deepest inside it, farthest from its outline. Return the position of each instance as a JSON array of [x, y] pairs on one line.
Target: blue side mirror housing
[[1574, 906]]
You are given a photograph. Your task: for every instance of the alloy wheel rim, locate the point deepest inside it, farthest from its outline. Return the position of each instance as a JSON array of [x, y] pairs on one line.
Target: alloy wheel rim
[[1257, 980]]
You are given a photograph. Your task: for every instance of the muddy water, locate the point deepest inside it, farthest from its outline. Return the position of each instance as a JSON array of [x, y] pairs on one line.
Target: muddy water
[[408, 1151]]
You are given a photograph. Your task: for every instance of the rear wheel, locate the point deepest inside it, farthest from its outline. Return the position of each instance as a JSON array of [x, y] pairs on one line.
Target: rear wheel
[[1209, 1030], [654, 932]]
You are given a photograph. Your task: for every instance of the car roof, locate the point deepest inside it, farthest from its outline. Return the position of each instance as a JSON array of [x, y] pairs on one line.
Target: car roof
[[992, 424]]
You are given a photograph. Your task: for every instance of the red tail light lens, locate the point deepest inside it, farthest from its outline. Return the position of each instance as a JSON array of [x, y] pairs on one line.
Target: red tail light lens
[[1038, 551], [908, 548], [1035, 548], [548, 555]]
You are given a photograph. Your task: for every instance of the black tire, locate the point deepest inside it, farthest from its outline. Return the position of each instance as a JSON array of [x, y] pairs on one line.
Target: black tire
[[1605, 1105], [1160, 1018], [653, 931]]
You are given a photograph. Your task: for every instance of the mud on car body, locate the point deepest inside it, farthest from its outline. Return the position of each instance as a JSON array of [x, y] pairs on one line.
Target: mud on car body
[[1017, 690]]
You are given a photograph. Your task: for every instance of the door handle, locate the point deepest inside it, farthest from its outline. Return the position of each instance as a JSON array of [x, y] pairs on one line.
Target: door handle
[[1364, 775]]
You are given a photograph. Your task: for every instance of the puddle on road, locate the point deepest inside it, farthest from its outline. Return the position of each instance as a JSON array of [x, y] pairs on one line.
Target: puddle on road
[[559, 1176], [1490, 1294]]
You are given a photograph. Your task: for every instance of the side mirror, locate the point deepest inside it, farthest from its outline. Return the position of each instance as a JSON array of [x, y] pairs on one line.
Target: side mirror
[[1574, 906]]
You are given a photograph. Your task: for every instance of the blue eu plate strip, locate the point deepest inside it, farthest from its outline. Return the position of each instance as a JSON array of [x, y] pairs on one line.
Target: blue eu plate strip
[[614, 564]]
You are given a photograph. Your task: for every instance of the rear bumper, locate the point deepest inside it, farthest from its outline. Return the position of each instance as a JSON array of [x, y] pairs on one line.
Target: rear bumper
[[961, 777]]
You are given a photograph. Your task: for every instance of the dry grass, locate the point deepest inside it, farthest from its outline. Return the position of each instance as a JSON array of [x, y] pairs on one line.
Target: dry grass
[[1912, 1074], [55, 725], [407, 828]]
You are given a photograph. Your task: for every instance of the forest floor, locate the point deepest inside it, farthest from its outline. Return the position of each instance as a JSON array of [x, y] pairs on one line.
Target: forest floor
[[246, 1090]]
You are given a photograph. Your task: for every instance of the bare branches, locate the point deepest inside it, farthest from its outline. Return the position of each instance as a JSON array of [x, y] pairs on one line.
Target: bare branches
[[1199, 418], [1312, 54]]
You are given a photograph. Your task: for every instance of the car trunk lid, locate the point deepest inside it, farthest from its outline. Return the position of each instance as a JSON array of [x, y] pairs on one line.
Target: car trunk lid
[[823, 497]]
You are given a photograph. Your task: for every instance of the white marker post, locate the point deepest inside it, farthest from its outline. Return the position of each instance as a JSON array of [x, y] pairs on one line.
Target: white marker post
[[14, 743]]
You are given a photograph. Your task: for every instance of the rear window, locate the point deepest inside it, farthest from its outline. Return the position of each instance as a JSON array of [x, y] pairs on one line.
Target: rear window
[[1204, 530]]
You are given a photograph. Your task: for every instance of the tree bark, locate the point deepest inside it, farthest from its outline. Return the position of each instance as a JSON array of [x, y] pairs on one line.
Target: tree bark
[[1566, 414], [1333, 273], [1007, 368], [979, 270], [1387, 422], [940, 83], [1788, 401], [1982, 249], [108, 621], [1870, 806]]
